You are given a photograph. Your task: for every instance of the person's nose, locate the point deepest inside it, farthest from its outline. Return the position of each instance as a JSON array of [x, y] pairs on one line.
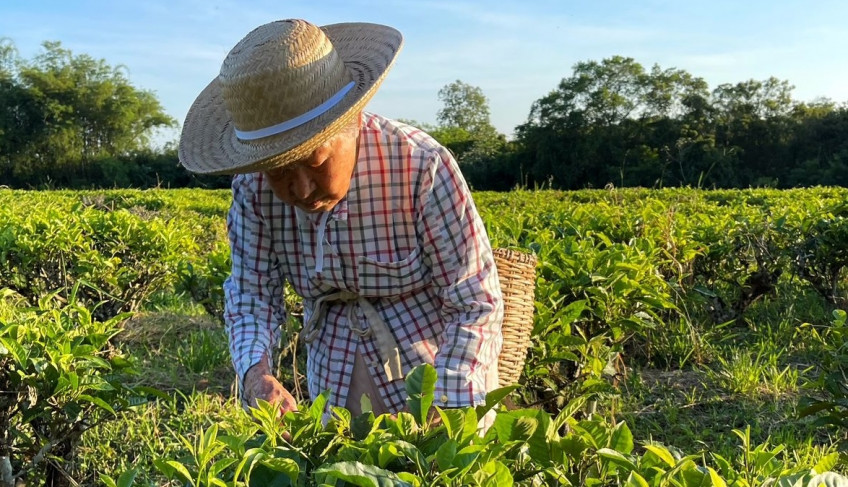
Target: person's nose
[[301, 184]]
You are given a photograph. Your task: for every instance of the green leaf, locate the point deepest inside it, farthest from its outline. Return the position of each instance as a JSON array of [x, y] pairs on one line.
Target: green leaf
[[410, 478], [570, 410], [715, 478], [471, 425], [795, 480], [284, 465], [181, 471], [827, 463], [494, 474], [467, 456], [357, 474], [662, 453], [387, 453], [597, 432], [316, 410], [503, 426], [97, 402], [209, 437], [524, 429], [445, 454], [636, 480], [723, 464], [15, 349], [617, 459], [220, 466], [420, 387], [152, 391], [829, 479], [622, 439], [414, 454], [453, 421], [573, 445], [493, 398], [365, 404], [362, 425], [693, 476], [127, 478], [250, 458]]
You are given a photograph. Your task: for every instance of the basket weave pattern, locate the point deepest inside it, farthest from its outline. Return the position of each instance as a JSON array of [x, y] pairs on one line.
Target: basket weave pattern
[[517, 275]]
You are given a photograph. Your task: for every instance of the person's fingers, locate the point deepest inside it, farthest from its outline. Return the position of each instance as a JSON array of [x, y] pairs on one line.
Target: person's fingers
[[434, 419], [287, 401]]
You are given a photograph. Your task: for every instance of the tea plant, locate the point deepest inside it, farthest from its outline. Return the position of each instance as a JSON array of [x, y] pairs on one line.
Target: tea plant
[[832, 410], [629, 280], [524, 447], [59, 376], [114, 259]]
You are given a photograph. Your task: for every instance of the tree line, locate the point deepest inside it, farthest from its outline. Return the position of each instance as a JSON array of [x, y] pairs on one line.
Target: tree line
[[74, 121], [615, 122]]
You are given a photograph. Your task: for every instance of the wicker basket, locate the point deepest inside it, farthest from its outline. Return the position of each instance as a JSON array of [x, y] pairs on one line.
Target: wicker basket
[[517, 274]]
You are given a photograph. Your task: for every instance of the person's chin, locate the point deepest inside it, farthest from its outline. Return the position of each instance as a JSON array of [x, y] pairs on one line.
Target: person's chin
[[314, 207]]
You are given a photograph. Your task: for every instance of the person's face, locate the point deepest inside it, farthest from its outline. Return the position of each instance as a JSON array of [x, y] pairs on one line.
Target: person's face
[[318, 182]]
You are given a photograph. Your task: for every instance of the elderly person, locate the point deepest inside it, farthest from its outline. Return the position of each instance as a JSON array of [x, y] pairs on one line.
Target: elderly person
[[369, 220]]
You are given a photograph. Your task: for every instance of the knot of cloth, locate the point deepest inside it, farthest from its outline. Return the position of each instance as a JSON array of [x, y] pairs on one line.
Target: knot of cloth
[[374, 326]]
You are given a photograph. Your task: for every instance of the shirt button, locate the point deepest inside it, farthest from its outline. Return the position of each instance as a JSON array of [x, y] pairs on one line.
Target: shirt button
[[444, 398]]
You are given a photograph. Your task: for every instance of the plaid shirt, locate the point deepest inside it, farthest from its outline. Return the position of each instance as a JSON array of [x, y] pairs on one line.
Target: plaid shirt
[[407, 237]]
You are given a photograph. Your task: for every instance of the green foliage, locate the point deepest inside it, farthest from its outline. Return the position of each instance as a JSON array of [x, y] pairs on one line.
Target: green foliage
[[627, 279], [615, 122], [203, 351], [203, 279], [524, 447], [466, 108], [822, 256], [115, 259], [65, 110], [832, 409], [464, 126], [59, 376]]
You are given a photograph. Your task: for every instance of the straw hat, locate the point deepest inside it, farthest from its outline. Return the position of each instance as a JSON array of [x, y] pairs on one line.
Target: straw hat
[[284, 90]]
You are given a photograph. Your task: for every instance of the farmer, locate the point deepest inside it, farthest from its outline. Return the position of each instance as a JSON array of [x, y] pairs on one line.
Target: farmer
[[368, 219]]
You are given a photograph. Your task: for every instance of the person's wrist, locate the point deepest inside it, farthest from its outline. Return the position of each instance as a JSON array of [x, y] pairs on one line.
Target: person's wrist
[[256, 372]]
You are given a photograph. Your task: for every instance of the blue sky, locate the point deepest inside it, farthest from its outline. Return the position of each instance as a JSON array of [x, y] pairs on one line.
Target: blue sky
[[516, 52]]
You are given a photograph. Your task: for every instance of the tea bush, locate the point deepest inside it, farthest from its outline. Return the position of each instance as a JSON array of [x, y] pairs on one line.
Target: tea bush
[[524, 447], [60, 375]]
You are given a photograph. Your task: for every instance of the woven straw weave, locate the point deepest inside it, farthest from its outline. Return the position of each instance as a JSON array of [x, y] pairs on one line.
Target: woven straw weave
[[517, 274]]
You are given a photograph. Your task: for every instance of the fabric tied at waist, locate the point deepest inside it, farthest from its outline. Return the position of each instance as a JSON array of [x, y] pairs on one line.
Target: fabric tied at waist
[[376, 327]]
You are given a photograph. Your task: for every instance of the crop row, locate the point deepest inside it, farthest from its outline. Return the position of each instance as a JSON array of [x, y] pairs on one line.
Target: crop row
[[621, 273]]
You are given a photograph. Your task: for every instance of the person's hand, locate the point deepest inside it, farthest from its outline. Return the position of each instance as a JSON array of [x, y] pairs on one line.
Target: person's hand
[[259, 383], [434, 419]]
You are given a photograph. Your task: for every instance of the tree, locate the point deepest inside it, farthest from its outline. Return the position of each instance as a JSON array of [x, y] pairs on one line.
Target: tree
[[465, 107], [69, 110], [464, 125], [754, 118]]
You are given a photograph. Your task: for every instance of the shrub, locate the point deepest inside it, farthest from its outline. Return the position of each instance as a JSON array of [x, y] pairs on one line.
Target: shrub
[[59, 376]]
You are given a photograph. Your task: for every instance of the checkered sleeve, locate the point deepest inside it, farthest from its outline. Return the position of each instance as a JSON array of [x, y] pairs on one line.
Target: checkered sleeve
[[254, 306], [463, 269]]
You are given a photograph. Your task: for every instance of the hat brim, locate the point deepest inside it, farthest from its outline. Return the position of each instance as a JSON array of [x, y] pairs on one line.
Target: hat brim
[[208, 144]]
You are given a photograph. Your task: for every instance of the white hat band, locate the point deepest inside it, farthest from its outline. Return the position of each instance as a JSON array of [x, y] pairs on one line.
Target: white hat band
[[296, 121]]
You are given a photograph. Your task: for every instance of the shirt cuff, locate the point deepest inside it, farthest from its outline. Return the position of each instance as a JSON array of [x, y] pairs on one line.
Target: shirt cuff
[[455, 389]]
